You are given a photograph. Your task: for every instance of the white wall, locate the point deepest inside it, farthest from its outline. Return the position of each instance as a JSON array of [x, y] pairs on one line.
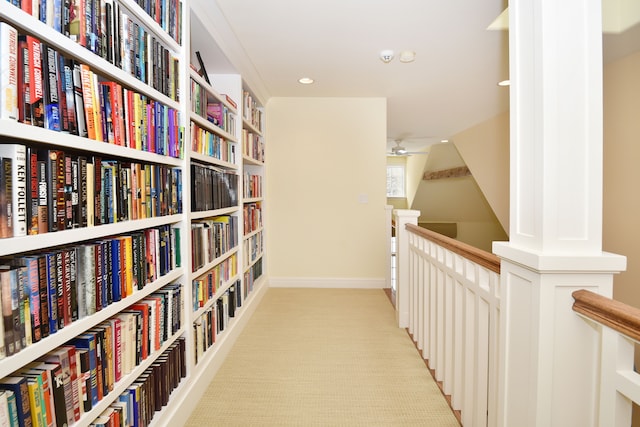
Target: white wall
[[326, 191]]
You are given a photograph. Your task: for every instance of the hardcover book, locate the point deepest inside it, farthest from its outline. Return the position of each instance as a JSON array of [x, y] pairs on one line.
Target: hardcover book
[[8, 72], [18, 155], [19, 387], [6, 195], [36, 94], [50, 88]]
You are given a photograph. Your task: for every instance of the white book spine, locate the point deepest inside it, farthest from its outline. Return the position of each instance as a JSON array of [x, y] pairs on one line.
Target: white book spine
[[8, 72]]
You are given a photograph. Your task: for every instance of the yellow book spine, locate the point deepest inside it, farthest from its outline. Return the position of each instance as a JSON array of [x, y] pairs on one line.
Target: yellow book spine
[[128, 261]]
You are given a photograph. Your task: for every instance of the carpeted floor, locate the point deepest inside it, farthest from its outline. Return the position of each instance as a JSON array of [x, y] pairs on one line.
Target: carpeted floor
[[323, 357]]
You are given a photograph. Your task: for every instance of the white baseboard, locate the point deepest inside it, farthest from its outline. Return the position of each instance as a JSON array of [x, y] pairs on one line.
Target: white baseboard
[[327, 282]]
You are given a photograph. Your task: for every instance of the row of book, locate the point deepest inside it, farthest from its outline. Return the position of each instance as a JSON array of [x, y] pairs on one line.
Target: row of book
[[214, 320], [210, 144], [212, 188], [252, 248], [150, 392], [204, 104], [167, 13], [252, 145], [251, 112], [45, 292], [45, 190], [252, 216], [43, 87], [63, 385], [251, 186], [250, 276], [205, 287], [212, 238], [109, 30]]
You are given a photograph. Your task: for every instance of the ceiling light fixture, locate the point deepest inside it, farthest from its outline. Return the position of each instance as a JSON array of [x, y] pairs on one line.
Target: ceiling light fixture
[[305, 80], [386, 56], [407, 56]]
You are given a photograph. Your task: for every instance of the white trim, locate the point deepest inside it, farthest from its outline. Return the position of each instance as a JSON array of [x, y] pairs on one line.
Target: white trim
[[327, 282]]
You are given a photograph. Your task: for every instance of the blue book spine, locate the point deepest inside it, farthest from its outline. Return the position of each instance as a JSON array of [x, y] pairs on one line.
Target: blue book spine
[[53, 292], [115, 269], [105, 273], [88, 342]]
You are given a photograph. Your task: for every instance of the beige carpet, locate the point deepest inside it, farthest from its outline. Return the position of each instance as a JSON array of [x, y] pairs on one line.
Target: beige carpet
[[323, 357]]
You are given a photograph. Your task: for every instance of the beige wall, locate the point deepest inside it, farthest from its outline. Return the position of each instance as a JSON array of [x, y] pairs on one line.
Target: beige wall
[[485, 150], [326, 188], [621, 197]]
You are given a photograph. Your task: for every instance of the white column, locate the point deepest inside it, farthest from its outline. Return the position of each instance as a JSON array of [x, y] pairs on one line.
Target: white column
[[549, 369], [402, 218]]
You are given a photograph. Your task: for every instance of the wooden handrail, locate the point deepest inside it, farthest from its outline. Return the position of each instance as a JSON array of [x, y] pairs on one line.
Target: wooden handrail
[[483, 258], [614, 314]]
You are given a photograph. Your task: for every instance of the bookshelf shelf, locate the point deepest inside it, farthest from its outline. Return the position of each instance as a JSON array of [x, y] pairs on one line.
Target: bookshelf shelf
[[252, 200], [202, 122], [15, 130], [58, 238], [251, 127], [251, 161], [213, 161]]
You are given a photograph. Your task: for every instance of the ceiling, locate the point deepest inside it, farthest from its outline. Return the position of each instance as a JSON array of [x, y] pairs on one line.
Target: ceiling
[[451, 85]]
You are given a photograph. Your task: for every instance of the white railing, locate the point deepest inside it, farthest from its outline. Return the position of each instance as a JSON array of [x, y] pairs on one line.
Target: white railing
[[454, 317], [619, 327], [448, 298]]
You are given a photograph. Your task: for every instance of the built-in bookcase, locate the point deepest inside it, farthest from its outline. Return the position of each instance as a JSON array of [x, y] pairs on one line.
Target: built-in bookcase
[[253, 158], [131, 250], [93, 274]]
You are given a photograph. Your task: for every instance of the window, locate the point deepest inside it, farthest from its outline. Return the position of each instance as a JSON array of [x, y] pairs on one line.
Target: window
[[395, 181]]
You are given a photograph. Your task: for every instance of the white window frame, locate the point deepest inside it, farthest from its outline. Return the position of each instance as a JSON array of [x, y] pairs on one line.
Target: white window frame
[[398, 193]]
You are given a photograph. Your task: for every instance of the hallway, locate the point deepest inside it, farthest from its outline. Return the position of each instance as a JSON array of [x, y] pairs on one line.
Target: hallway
[[323, 357]]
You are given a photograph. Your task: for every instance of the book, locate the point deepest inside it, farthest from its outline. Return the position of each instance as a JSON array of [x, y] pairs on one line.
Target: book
[[87, 97], [86, 280], [84, 378], [50, 268], [6, 195], [44, 196], [36, 94], [50, 88], [87, 341], [18, 385], [24, 103], [8, 72], [7, 311], [36, 400], [79, 105], [18, 155], [32, 190], [57, 400]]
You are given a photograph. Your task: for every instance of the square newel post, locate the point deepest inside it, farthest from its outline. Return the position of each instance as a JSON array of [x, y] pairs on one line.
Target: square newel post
[[549, 370], [402, 218]]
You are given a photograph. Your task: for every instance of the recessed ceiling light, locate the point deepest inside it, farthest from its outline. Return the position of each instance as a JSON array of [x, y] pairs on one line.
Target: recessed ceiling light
[[407, 56], [305, 80], [504, 83]]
